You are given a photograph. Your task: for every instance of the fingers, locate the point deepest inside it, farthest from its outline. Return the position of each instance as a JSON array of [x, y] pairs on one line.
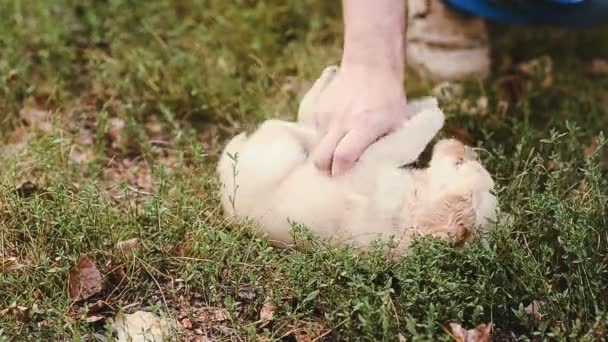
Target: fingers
[[324, 152], [351, 147]]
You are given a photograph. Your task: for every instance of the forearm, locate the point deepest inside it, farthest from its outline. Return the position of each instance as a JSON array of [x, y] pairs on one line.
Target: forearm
[[374, 36]]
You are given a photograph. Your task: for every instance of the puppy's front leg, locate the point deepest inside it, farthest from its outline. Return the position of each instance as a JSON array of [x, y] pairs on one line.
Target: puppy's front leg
[[308, 104], [404, 145]]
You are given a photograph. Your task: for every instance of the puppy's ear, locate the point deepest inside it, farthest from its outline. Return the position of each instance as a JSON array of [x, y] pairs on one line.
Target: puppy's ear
[[449, 216]]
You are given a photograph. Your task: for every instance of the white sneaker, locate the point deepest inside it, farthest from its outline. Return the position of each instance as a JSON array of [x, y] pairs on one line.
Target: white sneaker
[[445, 45]]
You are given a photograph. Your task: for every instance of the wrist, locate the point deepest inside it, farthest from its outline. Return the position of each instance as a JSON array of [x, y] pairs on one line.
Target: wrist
[[375, 64], [374, 36]]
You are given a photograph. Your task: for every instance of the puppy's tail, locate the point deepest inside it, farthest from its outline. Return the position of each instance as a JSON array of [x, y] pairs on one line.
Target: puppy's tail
[[227, 169]]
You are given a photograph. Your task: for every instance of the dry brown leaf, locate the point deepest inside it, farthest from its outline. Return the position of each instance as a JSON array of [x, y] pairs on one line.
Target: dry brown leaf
[[599, 67], [116, 274], [481, 333], [81, 154], [28, 189], [533, 310], [544, 63], [401, 338], [219, 315], [306, 331], [245, 293], [142, 326], [266, 314], [512, 87], [128, 246], [482, 104], [205, 316], [93, 319], [97, 306], [84, 279], [115, 131], [10, 264], [590, 149], [36, 118], [448, 91], [18, 311], [186, 323]]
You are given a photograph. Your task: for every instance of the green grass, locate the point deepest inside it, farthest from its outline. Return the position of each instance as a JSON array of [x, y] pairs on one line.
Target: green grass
[[186, 75]]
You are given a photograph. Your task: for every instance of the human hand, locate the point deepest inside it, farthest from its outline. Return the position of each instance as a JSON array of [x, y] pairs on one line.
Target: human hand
[[360, 105]]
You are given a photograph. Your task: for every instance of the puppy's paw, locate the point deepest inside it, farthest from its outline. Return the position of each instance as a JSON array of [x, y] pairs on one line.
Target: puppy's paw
[[308, 104], [431, 118], [485, 206]]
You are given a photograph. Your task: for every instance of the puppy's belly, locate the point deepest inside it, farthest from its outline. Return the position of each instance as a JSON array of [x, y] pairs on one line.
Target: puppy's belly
[[351, 209], [307, 198]]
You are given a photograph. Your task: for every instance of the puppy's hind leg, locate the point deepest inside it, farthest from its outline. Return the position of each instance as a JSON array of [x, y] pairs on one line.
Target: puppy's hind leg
[[253, 166]]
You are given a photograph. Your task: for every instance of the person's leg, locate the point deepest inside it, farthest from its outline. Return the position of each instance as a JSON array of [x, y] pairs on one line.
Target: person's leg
[[443, 44]]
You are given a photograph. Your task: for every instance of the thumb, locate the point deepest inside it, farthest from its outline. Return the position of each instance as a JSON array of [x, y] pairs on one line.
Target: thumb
[[324, 152], [352, 146]]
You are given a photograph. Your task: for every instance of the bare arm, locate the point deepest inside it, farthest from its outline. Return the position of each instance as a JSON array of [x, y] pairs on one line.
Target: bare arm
[[366, 100], [374, 36]]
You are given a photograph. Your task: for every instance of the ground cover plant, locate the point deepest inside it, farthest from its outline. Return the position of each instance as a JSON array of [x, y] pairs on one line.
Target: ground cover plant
[[112, 114]]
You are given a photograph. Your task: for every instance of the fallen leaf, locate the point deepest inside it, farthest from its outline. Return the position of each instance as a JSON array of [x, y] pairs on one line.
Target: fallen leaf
[[27, 189], [84, 279], [591, 148], [501, 108], [246, 293], [128, 246], [305, 331], [448, 91], [18, 311], [481, 333], [142, 326], [401, 338], [533, 310], [97, 306], [80, 154], [543, 64], [115, 131], [186, 323], [36, 118], [598, 67], [482, 104], [93, 319], [266, 314], [512, 87], [10, 264], [219, 315], [116, 272]]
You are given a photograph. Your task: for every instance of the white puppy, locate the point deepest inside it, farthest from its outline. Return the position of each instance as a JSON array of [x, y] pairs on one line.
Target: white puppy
[[268, 177]]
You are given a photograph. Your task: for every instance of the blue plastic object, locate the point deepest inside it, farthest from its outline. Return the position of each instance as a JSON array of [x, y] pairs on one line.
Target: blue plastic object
[[561, 13]]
